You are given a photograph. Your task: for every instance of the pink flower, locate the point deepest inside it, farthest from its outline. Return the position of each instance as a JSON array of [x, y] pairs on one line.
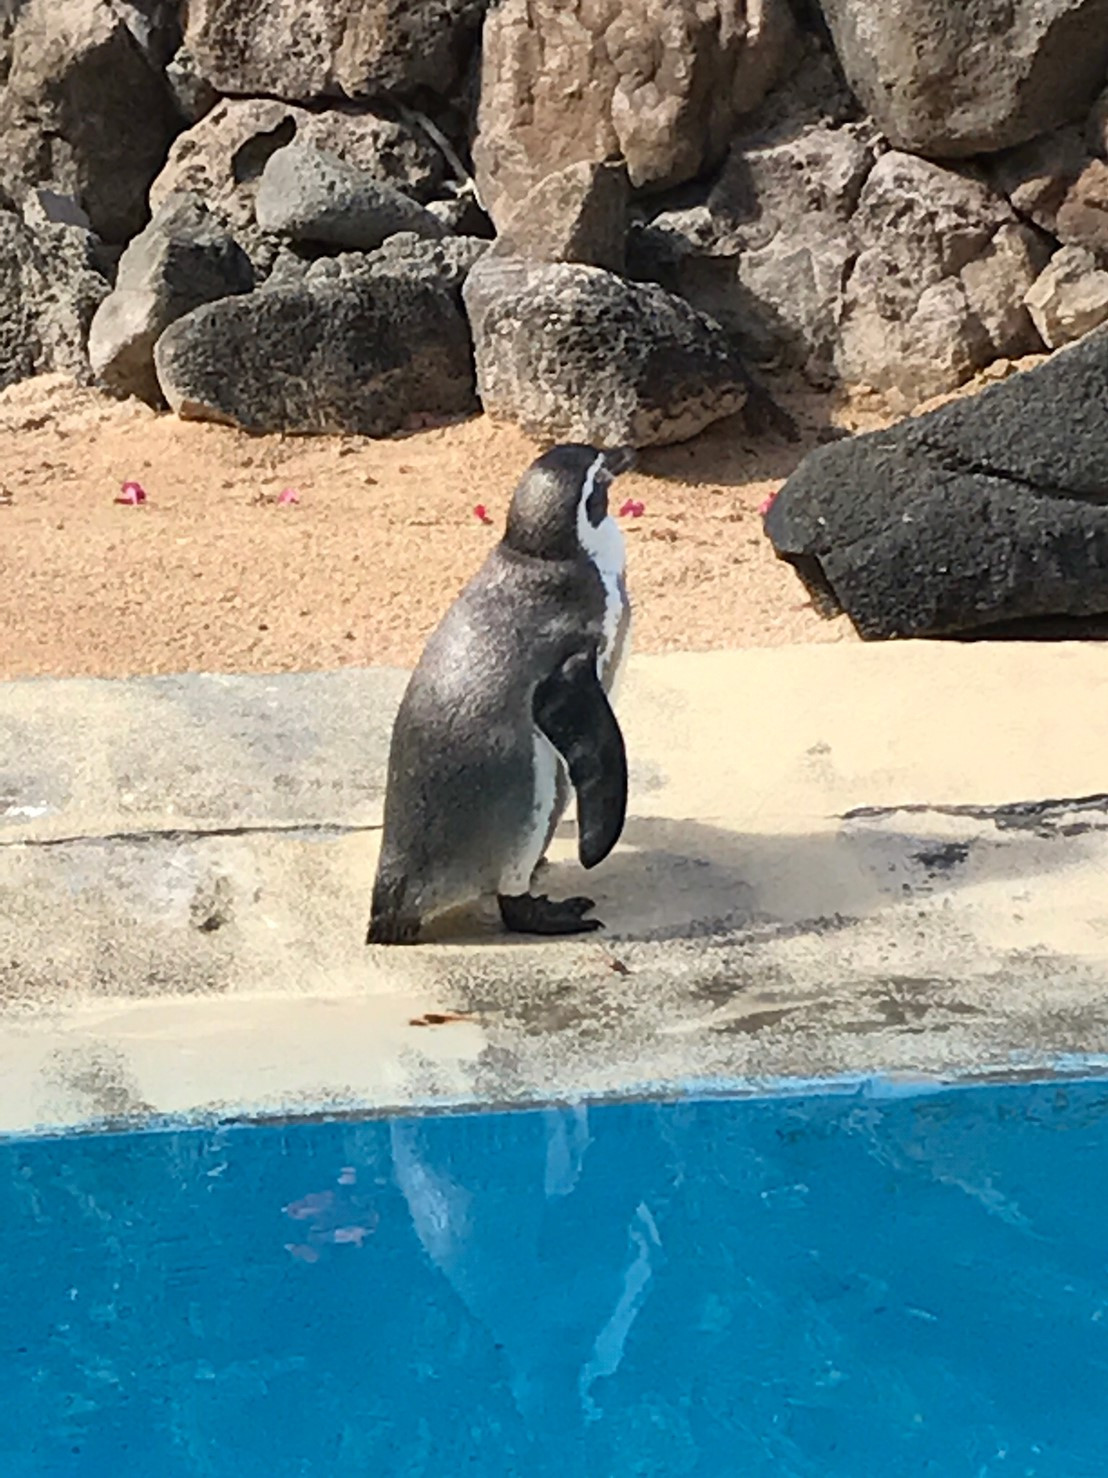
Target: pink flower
[[289, 496], [132, 493], [633, 508], [767, 503], [482, 513]]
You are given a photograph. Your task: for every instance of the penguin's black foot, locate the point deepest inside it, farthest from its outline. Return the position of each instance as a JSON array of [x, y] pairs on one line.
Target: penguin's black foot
[[527, 914]]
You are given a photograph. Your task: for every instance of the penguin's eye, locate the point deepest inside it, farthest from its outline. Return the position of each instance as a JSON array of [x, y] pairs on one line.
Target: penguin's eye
[[596, 505]]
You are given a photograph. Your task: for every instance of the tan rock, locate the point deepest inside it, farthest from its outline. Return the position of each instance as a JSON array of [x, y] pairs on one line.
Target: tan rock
[[658, 83]]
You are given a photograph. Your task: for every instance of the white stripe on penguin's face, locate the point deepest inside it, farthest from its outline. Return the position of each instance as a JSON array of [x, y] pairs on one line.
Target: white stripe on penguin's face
[[604, 546], [602, 543]]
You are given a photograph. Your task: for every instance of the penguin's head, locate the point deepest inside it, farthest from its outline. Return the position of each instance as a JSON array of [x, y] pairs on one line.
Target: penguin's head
[[562, 498]]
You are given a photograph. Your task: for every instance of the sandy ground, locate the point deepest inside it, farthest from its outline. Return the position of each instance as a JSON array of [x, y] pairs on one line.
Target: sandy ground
[[212, 573]]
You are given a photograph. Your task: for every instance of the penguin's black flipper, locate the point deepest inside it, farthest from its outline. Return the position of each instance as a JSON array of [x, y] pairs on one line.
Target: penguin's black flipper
[[572, 710]]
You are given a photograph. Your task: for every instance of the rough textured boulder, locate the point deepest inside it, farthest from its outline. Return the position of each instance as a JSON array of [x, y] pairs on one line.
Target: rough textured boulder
[[50, 287], [84, 110], [1069, 298], [182, 259], [991, 509], [576, 353], [302, 49], [314, 196], [576, 214], [951, 78], [360, 356], [444, 264], [222, 158], [937, 288], [658, 83]]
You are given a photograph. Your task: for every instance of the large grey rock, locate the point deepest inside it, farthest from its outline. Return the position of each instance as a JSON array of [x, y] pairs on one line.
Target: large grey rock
[[84, 111], [769, 252], [223, 157], [937, 288], [1037, 176], [950, 78], [50, 287], [314, 196], [658, 83], [576, 214], [576, 353], [1069, 298], [990, 509], [303, 49], [182, 259], [353, 356]]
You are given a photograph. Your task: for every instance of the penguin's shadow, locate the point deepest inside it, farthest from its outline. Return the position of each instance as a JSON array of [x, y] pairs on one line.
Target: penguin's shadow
[[686, 879], [672, 879]]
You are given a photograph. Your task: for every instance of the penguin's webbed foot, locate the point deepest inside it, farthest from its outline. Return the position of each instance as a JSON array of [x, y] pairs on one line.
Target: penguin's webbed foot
[[528, 913]]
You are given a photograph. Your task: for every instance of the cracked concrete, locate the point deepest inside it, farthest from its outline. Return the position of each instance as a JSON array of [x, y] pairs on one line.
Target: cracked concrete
[[838, 861]]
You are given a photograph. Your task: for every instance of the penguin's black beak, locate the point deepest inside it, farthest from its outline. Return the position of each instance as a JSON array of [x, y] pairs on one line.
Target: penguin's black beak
[[619, 459]]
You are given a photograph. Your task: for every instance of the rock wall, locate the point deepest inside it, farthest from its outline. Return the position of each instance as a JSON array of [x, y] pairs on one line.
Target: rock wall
[[265, 211]]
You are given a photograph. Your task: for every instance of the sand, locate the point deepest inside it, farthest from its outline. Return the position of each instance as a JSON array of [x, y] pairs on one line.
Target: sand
[[212, 573]]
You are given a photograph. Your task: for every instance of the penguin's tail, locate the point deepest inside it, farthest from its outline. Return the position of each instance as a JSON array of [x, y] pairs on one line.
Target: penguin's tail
[[392, 920]]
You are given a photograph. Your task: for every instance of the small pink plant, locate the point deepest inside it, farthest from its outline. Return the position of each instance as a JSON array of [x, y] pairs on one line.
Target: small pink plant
[[132, 493], [482, 513], [766, 504], [633, 508], [290, 495]]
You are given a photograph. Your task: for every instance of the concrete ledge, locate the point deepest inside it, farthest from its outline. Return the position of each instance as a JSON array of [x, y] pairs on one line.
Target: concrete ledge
[[839, 860]]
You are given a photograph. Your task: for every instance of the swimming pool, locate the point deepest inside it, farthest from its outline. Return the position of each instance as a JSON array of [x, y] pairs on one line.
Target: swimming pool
[[843, 1284]]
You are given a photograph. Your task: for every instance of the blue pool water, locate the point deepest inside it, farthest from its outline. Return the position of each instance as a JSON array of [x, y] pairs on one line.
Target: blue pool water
[[846, 1285]]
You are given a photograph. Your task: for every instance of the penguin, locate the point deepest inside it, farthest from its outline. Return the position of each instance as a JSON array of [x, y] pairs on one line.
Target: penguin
[[509, 705]]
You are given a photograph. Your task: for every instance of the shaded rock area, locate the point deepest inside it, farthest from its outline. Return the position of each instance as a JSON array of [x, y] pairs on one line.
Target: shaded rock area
[[872, 196], [358, 354], [51, 284], [991, 509], [85, 109], [182, 259]]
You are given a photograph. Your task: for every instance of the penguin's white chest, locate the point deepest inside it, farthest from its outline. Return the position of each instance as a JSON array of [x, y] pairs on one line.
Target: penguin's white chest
[[606, 549]]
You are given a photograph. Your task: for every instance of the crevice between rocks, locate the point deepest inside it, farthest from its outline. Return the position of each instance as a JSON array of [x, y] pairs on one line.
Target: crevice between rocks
[[201, 833]]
